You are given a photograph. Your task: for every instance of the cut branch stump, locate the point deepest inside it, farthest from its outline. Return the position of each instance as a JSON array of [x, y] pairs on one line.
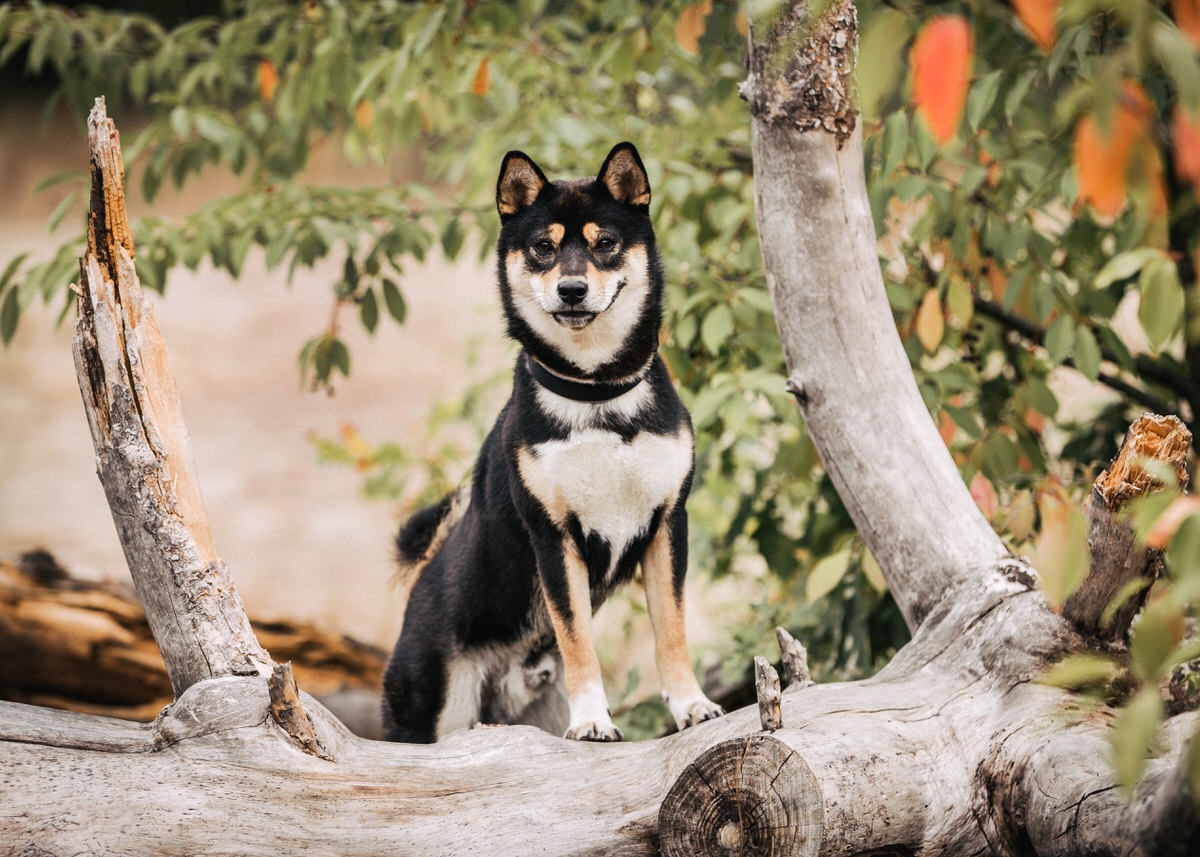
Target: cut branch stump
[[1120, 569]]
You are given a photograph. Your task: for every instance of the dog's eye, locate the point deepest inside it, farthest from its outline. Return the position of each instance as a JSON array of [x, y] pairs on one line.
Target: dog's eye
[[604, 244], [544, 247]]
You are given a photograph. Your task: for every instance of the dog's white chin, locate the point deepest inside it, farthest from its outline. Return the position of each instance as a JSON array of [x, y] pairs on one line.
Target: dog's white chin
[[575, 321]]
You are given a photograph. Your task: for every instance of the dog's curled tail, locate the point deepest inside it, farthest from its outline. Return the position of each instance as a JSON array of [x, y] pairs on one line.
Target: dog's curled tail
[[423, 535]]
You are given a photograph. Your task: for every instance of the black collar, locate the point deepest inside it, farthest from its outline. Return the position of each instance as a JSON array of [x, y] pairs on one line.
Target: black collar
[[577, 390]]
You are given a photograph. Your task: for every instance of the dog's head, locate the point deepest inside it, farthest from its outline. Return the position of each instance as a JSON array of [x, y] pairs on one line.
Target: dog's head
[[579, 271]]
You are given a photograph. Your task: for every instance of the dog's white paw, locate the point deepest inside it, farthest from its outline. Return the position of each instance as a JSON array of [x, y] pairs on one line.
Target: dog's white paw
[[689, 711], [594, 731], [590, 719]]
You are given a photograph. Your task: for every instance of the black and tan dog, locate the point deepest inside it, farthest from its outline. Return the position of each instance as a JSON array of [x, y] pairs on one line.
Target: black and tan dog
[[581, 481]]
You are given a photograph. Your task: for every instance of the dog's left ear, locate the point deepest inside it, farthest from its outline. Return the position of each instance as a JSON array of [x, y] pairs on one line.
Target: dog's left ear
[[624, 176]]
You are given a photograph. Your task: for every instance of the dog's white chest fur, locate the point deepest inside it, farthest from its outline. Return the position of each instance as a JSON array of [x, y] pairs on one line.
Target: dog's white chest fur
[[611, 485]]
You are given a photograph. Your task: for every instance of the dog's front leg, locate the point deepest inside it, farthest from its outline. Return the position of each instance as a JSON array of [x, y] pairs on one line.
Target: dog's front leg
[[564, 579], [663, 568]]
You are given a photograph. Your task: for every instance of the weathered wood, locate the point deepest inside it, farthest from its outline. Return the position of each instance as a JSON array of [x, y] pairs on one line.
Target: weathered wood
[[1117, 562], [747, 796], [143, 457], [795, 659], [288, 711], [766, 688], [847, 367]]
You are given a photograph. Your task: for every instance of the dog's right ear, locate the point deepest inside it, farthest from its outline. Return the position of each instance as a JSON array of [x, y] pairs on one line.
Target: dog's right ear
[[519, 184]]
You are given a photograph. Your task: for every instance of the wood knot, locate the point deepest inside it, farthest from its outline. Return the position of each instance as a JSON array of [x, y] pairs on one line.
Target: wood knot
[[749, 796]]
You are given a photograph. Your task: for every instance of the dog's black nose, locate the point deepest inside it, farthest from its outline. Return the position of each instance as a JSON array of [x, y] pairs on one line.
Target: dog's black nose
[[572, 292]]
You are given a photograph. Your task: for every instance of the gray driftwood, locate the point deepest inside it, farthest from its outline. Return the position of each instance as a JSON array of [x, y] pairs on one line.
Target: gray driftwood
[[954, 748]]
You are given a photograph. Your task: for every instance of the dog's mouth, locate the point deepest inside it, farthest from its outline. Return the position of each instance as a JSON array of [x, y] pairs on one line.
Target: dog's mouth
[[575, 319]]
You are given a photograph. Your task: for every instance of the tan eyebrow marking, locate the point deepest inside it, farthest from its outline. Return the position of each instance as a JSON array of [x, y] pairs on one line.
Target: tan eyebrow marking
[[556, 231], [591, 232]]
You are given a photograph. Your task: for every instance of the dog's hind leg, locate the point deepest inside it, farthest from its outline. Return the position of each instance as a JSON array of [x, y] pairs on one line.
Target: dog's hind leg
[[414, 689], [663, 568]]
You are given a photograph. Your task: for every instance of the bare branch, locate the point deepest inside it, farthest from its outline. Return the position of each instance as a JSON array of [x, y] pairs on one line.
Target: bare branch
[[143, 456]]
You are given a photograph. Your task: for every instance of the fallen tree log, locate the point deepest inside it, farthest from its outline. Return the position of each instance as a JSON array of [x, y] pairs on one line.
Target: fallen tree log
[[954, 748], [86, 646]]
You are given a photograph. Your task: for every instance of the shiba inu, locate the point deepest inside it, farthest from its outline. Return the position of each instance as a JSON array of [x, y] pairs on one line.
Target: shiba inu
[[581, 481]]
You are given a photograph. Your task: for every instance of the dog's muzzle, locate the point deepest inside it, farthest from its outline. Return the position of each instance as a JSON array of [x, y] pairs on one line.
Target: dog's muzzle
[[572, 293]]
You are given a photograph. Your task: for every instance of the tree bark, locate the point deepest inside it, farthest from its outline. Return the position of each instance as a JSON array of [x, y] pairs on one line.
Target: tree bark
[[846, 365], [143, 457], [953, 748]]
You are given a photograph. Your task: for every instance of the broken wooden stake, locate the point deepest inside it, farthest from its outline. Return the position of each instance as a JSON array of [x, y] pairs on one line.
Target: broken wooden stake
[[766, 688], [288, 711], [795, 660]]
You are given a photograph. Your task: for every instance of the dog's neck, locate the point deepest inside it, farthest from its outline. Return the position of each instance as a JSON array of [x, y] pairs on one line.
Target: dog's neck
[[583, 391]]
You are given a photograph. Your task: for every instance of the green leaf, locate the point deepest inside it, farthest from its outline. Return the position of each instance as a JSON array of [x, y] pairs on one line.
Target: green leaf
[[61, 210], [982, 96], [1125, 265], [9, 313], [879, 57], [1087, 354], [368, 310], [1060, 339], [895, 141], [394, 300], [1132, 736], [339, 356], [452, 239], [1158, 632], [1162, 301], [716, 328], [61, 177], [826, 575], [1016, 93], [1079, 671], [10, 269]]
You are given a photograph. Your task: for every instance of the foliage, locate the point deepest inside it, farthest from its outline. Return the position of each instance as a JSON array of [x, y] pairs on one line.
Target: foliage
[[1033, 179]]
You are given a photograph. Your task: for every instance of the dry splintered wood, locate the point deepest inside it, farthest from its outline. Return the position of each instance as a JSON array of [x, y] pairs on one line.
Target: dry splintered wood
[[795, 659], [288, 711], [1119, 566], [143, 453], [766, 688]]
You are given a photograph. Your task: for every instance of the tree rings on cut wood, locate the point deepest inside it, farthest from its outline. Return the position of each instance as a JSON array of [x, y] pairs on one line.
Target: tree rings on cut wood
[[749, 796]]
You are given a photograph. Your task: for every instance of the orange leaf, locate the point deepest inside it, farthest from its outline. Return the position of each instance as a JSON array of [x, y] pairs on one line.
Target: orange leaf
[[690, 26], [1168, 522], [930, 323], [946, 428], [941, 64], [483, 78], [1187, 18], [268, 80], [1185, 143], [364, 114], [984, 496], [1038, 18], [1103, 160]]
